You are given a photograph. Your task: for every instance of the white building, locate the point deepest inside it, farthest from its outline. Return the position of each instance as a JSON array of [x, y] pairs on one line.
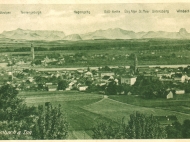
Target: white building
[[128, 80], [102, 74], [170, 95], [180, 92], [181, 78], [83, 88]]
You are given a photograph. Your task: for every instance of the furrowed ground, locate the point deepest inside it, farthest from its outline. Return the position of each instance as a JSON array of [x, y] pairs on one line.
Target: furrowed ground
[[85, 110]]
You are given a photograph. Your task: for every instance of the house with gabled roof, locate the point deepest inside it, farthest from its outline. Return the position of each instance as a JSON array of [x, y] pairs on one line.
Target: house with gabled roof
[[169, 95]]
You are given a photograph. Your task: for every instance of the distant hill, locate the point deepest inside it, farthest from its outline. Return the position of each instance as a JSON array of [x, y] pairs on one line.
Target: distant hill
[[116, 33], [33, 34], [73, 37], [182, 34]]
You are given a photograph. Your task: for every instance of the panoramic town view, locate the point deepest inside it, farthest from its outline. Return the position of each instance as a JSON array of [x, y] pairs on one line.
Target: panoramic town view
[[108, 83]]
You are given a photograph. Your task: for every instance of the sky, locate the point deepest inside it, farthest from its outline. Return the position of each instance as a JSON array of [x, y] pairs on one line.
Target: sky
[[61, 17]]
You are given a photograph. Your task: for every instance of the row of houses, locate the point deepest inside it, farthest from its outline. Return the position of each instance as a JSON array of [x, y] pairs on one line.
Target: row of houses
[[75, 78]]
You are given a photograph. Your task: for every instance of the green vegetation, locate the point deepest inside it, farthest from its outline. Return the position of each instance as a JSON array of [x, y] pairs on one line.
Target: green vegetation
[[86, 110], [50, 123], [19, 121], [140, 101], [178, 130], [139, 127], [88, 116]]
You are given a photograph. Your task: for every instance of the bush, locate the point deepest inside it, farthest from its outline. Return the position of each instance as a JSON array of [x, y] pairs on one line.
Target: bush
[[174, 131], [105, 130]]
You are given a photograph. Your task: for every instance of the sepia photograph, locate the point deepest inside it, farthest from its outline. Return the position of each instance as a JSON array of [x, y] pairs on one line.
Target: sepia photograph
[[84, 71]]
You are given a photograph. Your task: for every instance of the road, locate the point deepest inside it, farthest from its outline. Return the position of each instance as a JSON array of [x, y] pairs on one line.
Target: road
[[3, 65]]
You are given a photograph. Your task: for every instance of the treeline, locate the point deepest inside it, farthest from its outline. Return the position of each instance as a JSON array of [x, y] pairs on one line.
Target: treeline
[[141, 126], [102, 45]]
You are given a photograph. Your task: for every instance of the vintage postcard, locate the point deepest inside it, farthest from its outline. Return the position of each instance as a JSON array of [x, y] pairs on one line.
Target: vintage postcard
[[84, 70]]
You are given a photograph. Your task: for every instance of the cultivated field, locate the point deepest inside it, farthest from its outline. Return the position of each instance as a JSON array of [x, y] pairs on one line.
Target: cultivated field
[[84, 110]]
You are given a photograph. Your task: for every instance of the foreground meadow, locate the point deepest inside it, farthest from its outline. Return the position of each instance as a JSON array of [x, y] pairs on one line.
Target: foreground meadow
[[85, 110]]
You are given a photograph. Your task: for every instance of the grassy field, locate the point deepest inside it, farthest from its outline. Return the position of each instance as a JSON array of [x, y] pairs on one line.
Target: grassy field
[[179, 105], [84, 110]]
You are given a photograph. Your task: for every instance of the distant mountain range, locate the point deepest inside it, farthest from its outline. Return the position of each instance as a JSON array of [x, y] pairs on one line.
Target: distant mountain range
[[116, 33]]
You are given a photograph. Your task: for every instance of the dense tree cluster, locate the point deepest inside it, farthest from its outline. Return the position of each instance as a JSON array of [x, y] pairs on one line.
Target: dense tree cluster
[[178, 130], [139, 126], [40, 122]]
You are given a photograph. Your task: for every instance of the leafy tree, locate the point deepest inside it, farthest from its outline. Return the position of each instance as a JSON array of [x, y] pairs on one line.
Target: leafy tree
[[8, 97], [39, 79], [94, 72], [93, 88], [144, 127], [88, 69], [131, 56], [139, 126], [187, 87], [16, 116], [88, 81], [186, 129], [174, 131], [126, 88], [111, 88], [173, 55], [54, 55], [62, 85], [119, 88], [37, 62], [105, 130], [50, 123]]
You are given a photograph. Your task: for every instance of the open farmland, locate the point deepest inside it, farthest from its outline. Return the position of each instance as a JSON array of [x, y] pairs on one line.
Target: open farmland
[[84, 110]]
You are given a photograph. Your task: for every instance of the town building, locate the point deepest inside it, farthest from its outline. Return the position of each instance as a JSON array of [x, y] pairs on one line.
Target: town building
[[106, 73], [170, 95], [128, 80]]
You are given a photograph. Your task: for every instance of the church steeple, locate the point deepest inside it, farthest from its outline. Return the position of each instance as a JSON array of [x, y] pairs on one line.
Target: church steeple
[[135, 64], [32, 51]]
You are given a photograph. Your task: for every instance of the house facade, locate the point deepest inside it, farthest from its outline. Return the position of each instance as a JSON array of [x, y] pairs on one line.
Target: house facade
[[128, 80], [170, 95], [82, 88], [180, 92], [102, 74]]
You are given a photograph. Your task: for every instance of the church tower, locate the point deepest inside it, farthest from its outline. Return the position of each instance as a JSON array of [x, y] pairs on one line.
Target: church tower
[[135, 64], [32, 51]]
